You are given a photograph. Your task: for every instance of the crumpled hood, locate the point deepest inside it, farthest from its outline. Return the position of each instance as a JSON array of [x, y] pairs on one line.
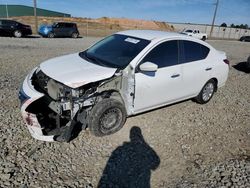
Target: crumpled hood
[[74, 71]]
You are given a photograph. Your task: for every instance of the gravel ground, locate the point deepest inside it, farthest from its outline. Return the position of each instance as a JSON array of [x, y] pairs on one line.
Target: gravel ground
[[182, 145]]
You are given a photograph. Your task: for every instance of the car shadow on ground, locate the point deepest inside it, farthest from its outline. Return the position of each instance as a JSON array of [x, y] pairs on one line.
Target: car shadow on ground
[[27, 36], [242, 66], [32, 36], [130, 165]]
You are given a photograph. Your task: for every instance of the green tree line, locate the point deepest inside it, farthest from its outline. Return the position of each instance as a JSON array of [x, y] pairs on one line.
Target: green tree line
[[241, 26]]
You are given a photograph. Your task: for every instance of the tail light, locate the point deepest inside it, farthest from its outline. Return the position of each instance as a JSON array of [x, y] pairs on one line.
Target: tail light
[[226, 61]]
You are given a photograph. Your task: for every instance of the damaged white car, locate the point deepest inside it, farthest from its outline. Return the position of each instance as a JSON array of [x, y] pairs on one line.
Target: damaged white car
[[124, 74]]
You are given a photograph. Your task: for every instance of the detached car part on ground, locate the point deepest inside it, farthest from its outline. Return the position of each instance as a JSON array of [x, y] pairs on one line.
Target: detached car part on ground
[[124, 74]]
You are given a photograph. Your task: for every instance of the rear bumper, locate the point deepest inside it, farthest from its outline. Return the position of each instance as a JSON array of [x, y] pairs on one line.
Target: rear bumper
[[28, 95]]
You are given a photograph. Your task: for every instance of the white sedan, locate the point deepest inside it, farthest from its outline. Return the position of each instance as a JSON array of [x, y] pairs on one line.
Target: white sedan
[[124, 74]]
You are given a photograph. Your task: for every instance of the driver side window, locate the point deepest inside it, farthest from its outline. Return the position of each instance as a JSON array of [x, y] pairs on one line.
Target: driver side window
[[163, 55]]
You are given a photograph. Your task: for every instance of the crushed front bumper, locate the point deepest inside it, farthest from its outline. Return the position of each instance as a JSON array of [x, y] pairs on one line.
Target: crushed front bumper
[[27, 96]]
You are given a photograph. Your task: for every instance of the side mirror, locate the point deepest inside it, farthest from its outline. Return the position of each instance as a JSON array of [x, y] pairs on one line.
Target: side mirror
[[148, 67]]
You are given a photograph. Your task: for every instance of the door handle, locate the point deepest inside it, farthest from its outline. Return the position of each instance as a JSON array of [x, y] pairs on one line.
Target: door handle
[[208, 69], [175, 75]]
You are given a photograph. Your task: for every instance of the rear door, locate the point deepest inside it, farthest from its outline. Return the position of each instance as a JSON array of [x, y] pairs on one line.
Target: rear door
[[196, 67], [69, 27]]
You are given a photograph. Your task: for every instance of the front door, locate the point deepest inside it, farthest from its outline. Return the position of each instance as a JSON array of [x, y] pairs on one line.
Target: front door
[[154, 89], [60, 30]]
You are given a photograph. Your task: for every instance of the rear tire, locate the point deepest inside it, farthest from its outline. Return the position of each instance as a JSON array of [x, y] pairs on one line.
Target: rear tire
[[107, 117], [206, 92], [18, 34], [74, 35], [51, 35]]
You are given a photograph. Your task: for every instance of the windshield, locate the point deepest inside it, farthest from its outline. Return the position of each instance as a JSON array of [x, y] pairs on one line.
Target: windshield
[[189, 31], [115, 51]]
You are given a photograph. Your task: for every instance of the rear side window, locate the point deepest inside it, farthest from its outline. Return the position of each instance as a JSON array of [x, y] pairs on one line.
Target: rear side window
[[192, 51], [165, 54], [68, 25], [60, 25]]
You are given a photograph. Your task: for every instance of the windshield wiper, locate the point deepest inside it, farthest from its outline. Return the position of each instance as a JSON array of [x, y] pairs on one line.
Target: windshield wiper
[[94, 59]]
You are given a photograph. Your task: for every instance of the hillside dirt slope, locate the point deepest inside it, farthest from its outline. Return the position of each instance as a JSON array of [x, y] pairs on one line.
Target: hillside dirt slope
[[99, 27]]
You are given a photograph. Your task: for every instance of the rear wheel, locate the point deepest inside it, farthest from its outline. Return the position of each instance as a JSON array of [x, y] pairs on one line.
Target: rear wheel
[[18, 34], [74, 35], [51, 35], [106, 117], [206, 92]]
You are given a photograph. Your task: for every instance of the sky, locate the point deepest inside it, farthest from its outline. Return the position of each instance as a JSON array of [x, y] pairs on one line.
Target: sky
[[181, 11]]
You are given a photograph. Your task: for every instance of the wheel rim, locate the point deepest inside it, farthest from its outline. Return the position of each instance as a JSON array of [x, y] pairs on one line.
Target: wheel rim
[[18, 34], [74, 35], [51, 35], [110, 120], [208, 92]]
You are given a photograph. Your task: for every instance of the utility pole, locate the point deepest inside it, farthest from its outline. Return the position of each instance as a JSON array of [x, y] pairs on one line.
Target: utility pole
[[7, 11], [35, 16], [216, 7]]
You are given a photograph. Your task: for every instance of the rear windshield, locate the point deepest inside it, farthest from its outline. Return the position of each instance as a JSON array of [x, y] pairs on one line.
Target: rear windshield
[[115, 51]]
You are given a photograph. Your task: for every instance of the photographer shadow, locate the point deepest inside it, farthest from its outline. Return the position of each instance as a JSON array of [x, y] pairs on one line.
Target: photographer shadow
[[130, 165]]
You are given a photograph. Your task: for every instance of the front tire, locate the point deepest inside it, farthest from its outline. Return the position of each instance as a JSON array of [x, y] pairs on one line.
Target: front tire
[[107, 117], [18, 34], [204, 38], [206, 92], [51, 35]]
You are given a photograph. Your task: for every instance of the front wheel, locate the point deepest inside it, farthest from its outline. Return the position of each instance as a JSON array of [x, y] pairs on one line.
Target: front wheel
[[51, 35], [204, 38], [206, 92], [107, 117], [18, 34]]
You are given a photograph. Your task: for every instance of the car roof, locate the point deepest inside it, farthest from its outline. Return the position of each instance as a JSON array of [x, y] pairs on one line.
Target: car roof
[[152, 34]]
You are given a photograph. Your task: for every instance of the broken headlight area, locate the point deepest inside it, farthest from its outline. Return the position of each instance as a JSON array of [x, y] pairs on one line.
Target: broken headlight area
[[54, 89], [60, 109]]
